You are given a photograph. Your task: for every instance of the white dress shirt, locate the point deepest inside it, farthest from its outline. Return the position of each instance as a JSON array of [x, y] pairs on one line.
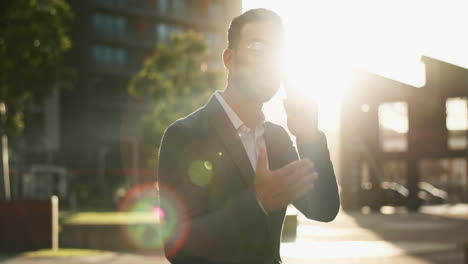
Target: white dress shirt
[[252, 139]]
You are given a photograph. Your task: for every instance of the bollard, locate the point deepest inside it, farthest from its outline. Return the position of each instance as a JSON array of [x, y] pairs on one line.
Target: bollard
[[55, 225]]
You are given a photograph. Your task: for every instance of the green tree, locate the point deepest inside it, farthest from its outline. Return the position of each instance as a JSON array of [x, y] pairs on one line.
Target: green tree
[[33, 44], [175, 81]]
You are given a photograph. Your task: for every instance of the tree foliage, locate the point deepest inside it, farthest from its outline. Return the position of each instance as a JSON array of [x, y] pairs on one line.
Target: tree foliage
[[33, 43], [175, 81]]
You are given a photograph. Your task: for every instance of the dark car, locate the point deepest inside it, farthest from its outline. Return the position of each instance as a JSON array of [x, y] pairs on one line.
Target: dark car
[[395, 194]]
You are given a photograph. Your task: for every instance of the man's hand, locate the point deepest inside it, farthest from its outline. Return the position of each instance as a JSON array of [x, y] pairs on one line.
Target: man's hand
[[302, 117], [277, 189]]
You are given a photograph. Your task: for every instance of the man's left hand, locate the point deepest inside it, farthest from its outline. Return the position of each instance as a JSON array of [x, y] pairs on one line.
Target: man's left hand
[[302, 118]]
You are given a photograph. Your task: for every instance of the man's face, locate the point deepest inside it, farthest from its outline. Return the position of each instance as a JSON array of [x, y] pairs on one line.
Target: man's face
[[255, 64]]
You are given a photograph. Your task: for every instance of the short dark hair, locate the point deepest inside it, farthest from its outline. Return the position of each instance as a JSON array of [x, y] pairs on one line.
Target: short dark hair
[[253, 15]]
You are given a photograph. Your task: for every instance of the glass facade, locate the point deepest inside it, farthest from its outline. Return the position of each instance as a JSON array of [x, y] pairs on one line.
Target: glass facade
[[109, 25], [104, 55], [164, 31], [179, 8], [112, 3], [393, 126], [162, 6], [457, 123]]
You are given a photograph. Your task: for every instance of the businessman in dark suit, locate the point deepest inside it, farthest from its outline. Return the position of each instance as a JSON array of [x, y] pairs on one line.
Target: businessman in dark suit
[[236, 173]]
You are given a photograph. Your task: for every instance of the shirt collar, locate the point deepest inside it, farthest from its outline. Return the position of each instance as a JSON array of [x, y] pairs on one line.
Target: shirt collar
[[235, 120]]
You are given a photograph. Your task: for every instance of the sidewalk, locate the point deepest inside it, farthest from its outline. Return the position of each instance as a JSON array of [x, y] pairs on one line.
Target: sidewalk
[[459, 211], [439, 258], [434, 236], [111, 257]]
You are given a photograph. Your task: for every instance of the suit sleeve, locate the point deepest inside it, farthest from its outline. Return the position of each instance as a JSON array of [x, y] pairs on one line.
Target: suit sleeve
[[212, 234], [322, 203]]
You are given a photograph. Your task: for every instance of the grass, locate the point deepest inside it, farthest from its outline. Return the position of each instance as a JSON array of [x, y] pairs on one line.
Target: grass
[[107, 218]]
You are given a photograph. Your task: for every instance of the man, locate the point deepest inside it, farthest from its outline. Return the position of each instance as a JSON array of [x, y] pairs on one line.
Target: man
[[236, 173]]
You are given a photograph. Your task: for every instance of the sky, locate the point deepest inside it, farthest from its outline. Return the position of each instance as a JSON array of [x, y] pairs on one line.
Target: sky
[[385, 37], [327, 39]]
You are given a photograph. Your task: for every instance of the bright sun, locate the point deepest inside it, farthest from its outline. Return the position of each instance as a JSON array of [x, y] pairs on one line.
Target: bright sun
[[328, 39]]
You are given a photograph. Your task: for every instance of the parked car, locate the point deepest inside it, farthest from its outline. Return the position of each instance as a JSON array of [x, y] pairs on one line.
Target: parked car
[[395, 194], [371, 197], [430, 194]]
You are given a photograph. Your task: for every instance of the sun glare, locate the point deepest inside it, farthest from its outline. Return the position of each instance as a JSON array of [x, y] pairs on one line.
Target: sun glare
[[328, 39]]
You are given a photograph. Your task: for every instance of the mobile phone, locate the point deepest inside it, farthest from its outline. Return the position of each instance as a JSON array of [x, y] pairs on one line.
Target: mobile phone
[[290, 88]]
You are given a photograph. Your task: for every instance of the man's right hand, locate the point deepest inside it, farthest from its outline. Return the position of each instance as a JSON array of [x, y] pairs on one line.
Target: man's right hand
[[277, 189]]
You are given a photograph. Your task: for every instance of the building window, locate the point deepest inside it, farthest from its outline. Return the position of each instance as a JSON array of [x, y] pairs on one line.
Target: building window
[[393, 126], [112, 3], [395, 171], [164, 31], [109, 26], [216, 10], [142, 4], [106, 55], [179, 7], [457, 122], [162, 6]]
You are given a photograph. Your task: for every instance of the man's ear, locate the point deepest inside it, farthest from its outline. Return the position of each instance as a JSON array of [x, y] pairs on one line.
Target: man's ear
[[227, 58]]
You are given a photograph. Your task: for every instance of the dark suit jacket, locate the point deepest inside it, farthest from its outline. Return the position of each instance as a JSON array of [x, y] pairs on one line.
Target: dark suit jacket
[[203, 160]]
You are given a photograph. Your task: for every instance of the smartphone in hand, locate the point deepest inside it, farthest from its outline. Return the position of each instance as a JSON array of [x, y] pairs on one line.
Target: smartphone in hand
[[300, 106], [290, 88]]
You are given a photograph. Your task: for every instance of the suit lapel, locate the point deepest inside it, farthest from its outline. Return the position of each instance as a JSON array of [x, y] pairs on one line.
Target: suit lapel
[[230, 139]]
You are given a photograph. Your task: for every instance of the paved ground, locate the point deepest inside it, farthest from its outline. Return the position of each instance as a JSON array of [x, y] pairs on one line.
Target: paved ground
[[434, 236]]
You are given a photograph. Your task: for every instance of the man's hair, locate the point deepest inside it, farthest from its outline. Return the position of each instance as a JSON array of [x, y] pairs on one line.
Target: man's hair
[[253, 15]]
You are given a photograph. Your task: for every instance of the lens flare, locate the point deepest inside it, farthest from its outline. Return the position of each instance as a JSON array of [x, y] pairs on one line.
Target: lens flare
[[159, 218], [200, 172], [159, 213]]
